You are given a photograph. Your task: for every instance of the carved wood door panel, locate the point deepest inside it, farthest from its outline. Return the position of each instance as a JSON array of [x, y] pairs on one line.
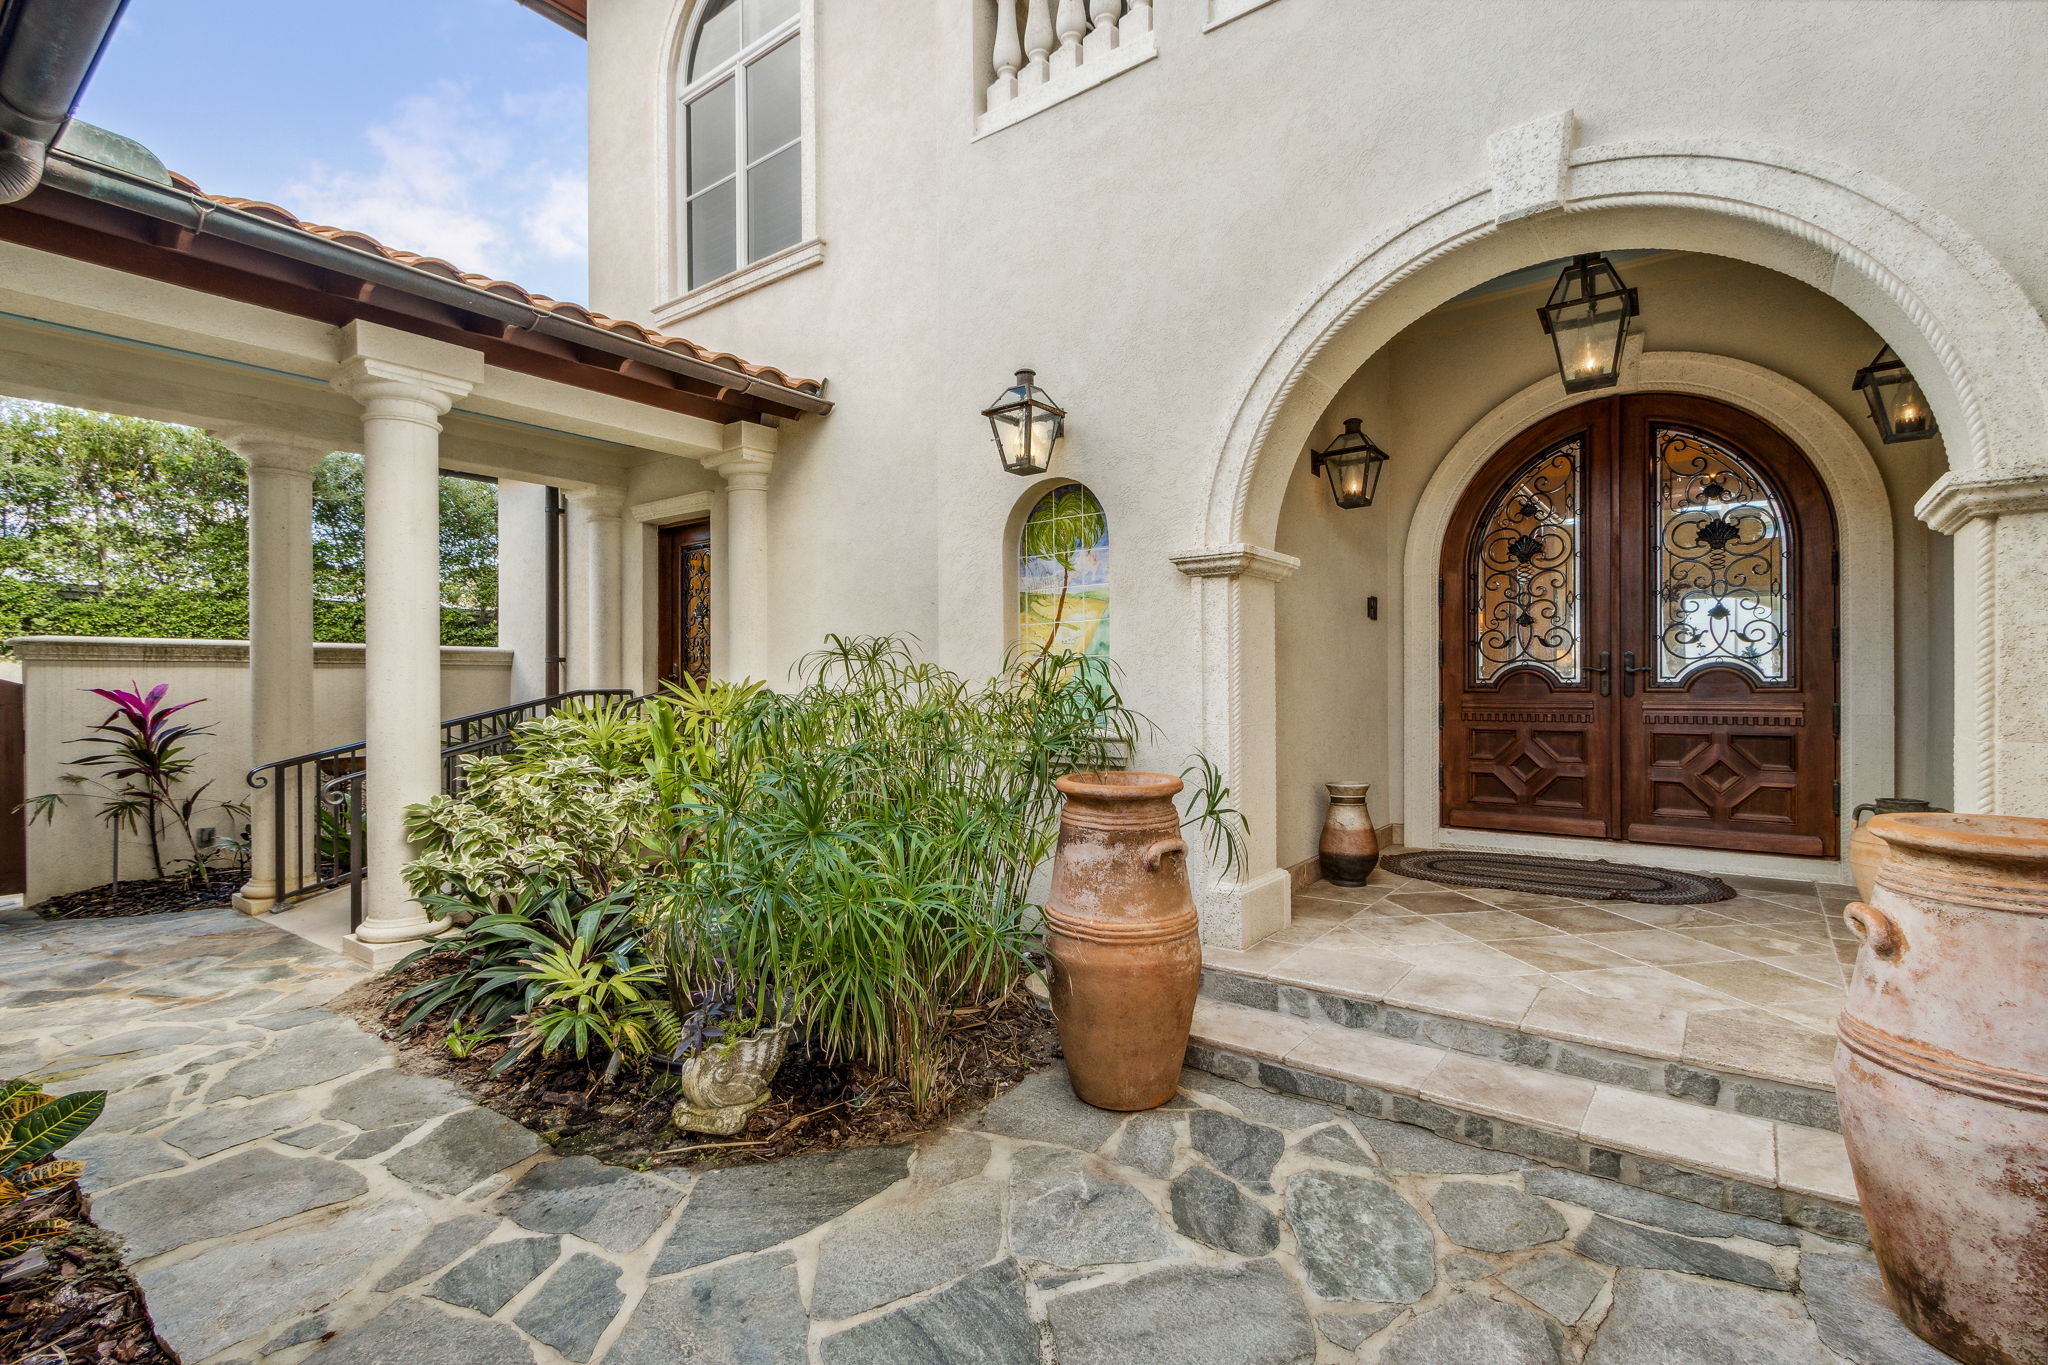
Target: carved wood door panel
[[683, 602], [1639, 635]]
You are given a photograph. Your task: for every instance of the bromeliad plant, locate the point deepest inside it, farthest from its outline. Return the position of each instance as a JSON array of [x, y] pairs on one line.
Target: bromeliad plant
[[33, 1127], [551, 970], [142, 764]]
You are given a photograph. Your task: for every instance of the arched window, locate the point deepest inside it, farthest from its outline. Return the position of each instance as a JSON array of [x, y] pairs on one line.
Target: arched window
[[742, 135], [1063, 575]]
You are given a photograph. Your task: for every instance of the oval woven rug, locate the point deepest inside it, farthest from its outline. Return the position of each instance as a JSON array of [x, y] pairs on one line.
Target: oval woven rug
[[1574, 878]]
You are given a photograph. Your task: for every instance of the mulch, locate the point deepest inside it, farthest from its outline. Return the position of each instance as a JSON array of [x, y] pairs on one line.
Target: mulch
[[814, 1106], [81, 1307], [155, 897]]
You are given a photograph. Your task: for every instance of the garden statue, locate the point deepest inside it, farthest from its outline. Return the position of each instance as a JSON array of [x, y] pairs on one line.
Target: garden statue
[[724, 1085]]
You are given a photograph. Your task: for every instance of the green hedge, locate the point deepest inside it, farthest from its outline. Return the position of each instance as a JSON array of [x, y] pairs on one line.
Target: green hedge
[[36, 609]]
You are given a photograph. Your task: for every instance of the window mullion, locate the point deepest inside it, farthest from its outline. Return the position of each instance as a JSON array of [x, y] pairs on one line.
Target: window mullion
[[742, 256]]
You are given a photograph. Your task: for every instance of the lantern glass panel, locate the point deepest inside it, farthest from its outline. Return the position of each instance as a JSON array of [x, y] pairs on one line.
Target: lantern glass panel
[[1898, 405], [1588, 338], [1027, 427]]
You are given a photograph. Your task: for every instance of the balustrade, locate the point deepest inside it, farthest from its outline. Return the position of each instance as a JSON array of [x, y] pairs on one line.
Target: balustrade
[[1044, 50]]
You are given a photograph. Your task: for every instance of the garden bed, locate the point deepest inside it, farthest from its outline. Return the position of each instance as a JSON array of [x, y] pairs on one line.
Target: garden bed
[[156, 897], [82, 1308], [815, 1106]]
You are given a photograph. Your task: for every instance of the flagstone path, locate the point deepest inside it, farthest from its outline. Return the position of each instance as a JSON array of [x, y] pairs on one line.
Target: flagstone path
[[288, 1196]]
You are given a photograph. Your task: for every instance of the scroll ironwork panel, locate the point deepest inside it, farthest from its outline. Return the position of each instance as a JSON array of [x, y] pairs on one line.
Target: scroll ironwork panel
[[1529, 572], [696, 643], [1723, 553]]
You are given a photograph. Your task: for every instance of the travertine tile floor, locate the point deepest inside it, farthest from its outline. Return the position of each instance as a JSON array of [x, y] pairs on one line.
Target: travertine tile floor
[[1751, 984]]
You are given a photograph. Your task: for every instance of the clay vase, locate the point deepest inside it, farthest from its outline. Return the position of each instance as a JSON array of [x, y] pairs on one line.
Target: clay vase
[[1121, 930], [1350, 847], [1866, 850], [1942, 1075]]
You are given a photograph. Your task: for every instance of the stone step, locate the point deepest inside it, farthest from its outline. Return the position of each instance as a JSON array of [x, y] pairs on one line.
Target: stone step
[[1594, 1040], [1785, 1172]]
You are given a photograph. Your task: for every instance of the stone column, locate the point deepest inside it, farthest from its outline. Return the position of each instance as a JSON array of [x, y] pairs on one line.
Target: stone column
[[596, 540], [1999, 519], [745, 462], [523, 584], [1235, 584], [404, 384], [280, 643]]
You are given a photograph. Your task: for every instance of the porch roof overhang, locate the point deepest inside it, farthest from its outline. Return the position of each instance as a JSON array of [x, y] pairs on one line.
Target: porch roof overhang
[[130, 220]]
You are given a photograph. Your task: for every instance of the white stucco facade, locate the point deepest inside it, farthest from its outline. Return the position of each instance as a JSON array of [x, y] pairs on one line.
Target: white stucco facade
[[1267, 218]]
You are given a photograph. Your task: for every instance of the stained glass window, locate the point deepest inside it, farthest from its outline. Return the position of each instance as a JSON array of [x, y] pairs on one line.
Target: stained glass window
[[1724, 594], [1063, 575], [1529, 571]]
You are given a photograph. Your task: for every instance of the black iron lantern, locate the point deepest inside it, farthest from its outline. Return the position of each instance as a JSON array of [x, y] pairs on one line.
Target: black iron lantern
[[1896, 403], [1587, 321], [1353, 464], [1027, 424]]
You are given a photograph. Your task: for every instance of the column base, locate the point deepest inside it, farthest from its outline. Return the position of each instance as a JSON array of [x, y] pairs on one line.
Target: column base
[[378, 956], [253, 899], [1239, 914]]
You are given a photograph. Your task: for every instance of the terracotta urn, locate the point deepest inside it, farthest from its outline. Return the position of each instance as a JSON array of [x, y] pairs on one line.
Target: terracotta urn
[[1121, 931], [1866, 850], [1943, 1079], [1350, 847]]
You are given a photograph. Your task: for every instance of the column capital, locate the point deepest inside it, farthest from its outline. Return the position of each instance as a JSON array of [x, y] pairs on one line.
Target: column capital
[[1236, 561], [388, 389], [1960, 497], [742, 470], [266, 448], [597, 504]]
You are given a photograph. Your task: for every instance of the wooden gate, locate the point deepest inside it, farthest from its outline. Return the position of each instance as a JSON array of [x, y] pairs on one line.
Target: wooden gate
[[13, 820]]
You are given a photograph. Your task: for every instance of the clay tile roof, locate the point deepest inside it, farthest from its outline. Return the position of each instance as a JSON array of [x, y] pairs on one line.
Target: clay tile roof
[[503, 288]]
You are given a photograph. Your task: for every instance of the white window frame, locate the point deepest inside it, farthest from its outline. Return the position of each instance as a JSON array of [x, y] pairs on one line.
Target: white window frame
[[684, 298]]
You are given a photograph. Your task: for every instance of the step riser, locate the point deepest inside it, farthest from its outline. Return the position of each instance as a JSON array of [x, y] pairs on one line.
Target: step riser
[[1774, 1100], [1708, 1189]]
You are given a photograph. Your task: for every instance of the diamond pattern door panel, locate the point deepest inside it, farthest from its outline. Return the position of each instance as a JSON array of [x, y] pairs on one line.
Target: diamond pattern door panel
[[1639, 634]]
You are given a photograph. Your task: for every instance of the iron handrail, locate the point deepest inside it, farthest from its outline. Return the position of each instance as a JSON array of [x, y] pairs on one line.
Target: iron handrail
[[316, 812]]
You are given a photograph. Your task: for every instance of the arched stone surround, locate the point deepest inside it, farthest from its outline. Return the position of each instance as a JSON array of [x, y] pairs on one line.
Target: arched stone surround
[[1863, 525], [1938, 296]]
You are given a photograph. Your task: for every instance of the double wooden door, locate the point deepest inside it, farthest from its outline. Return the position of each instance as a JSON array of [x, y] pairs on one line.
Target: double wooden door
[[1639, 636]]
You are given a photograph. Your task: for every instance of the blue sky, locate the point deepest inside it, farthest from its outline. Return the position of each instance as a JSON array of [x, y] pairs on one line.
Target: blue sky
[[449, 127]]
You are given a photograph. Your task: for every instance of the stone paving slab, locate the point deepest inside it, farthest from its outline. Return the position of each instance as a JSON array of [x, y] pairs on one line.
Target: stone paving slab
[[289, 1197]]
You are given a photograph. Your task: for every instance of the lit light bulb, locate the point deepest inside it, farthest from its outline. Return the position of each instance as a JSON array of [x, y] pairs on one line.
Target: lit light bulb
[[1909, 416]]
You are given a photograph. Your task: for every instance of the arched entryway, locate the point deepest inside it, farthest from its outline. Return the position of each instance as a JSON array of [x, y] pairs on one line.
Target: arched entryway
[[1638, 634]]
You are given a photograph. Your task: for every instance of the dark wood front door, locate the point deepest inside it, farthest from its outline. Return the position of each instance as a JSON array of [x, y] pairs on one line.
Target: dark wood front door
[[1638, 634], [684, 602]]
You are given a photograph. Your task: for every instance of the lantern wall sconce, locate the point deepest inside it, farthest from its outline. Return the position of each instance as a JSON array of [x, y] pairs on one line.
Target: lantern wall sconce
[[1896, 403], [1587, 322], [1027, 424], [1353, 465]]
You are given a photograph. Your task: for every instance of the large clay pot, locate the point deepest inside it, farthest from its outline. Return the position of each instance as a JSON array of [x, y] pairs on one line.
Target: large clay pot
[[1123, 938], [1943, 1080], [1866, 850], [1350, 847]]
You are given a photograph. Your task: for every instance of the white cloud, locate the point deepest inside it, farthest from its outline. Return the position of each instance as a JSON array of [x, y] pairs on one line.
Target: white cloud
[[496, 190]]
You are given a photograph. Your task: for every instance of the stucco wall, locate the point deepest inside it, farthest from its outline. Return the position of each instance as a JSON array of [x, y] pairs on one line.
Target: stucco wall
[[1146, 244], [75, 850]]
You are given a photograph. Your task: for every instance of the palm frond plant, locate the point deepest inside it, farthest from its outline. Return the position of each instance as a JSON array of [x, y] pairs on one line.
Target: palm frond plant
[[33, 1127], [865, 866]]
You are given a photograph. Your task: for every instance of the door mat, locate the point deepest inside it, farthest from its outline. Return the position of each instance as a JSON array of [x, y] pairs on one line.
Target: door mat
[[1573, 878]]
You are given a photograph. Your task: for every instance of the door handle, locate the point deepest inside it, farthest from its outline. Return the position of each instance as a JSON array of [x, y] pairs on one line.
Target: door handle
[[1629, 669], [1604, 668]]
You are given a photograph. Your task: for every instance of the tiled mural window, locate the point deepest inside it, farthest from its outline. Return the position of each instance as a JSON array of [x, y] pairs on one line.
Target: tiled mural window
[[1063, 575]]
